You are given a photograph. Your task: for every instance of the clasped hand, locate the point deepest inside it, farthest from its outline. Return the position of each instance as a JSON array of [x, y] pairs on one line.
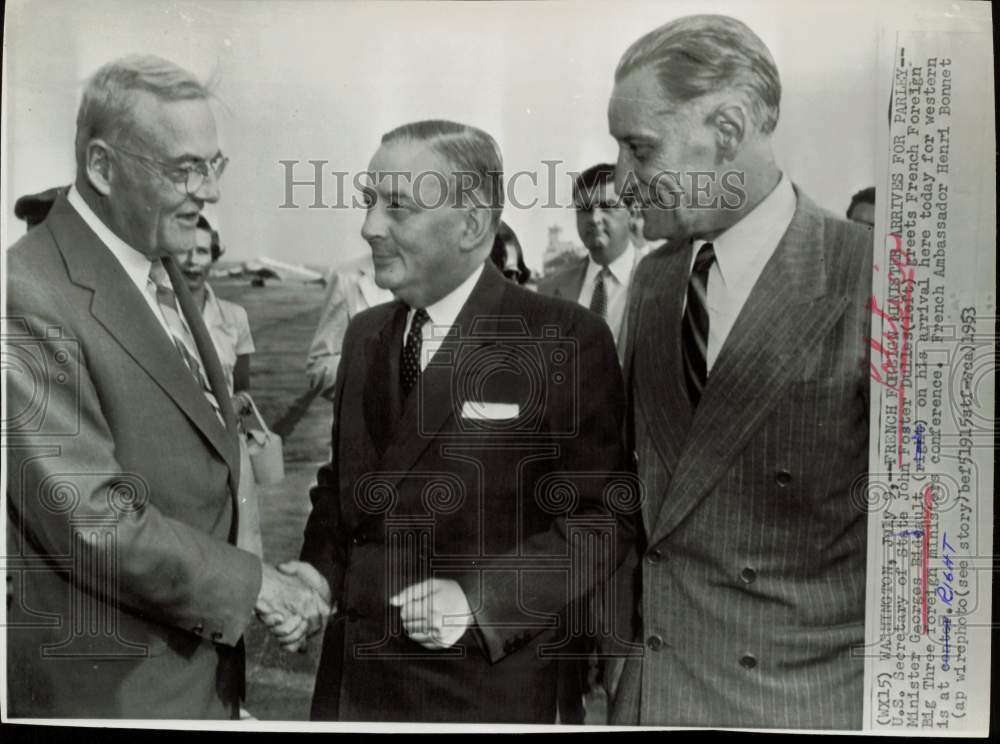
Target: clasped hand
[[435, 612], [294, 603]]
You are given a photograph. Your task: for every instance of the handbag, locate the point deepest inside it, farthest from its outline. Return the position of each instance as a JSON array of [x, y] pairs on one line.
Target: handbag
[[263, 445]]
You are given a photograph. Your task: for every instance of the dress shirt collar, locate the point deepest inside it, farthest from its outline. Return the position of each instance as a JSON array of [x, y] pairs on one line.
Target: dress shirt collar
[[742, 251], [136, 264], [443, 313], [620, 268]]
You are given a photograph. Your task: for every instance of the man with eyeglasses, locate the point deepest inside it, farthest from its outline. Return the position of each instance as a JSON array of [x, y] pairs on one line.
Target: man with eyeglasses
[[135, 590]]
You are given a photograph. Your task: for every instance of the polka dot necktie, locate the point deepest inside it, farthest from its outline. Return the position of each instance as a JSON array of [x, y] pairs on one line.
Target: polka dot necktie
[[409, 368], [694, 325], [599, 300]]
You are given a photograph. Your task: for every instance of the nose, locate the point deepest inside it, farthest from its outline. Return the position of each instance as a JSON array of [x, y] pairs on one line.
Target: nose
[[596, 216], [373, 227], [188, 259], [209, 191]]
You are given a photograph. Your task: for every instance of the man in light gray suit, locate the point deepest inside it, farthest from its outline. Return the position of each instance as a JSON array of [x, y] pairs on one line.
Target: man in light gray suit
[[749, 399]]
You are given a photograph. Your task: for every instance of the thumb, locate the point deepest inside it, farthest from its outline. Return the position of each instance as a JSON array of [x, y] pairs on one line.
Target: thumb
[[412, 593], [290, 568]]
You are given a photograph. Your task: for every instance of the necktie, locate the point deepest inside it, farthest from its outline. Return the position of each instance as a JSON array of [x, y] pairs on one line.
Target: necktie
[[180, 334], [409, 368], [599, 300], [694, 324]]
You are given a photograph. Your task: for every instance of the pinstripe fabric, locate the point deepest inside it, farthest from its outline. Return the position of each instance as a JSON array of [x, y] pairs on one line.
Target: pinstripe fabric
[[754, 575]]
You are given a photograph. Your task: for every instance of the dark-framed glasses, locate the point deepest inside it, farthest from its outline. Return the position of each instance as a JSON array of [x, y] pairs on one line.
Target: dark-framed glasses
[[188, 178]]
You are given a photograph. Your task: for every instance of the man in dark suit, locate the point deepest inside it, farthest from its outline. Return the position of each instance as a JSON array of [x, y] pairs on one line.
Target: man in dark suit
[[475, 488], [131, 592], [748, 397], [600, 280]]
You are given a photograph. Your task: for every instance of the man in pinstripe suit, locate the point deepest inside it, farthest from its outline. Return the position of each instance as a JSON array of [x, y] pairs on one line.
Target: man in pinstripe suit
[[748, 398]]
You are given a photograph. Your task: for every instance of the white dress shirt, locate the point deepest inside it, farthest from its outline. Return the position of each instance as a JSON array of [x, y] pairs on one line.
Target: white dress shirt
[[136, 264], [741, 253], [442, 316], [615, 285]]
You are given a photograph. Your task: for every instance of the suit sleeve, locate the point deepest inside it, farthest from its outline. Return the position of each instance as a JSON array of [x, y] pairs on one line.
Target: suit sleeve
[[324, 351], [323, 543], [507, 605], [64, 474]]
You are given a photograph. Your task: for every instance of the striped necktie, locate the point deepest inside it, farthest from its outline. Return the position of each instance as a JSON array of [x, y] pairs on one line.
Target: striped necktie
[[180, 334], [694, 325]]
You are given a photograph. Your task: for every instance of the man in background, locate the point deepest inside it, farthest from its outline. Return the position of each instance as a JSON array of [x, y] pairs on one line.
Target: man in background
[[600, 280], [121, 488], [748, 389], [351, 289]]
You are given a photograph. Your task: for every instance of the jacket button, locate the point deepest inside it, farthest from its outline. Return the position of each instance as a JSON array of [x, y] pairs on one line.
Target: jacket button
[[748, 575], [749, 661], [358, 540], [655, 642], [654, 556], [782, 478], [198, 629]]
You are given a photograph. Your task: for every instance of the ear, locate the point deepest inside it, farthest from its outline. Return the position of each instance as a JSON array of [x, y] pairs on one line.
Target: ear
[[730, 122], [98, 166], [477, 228]]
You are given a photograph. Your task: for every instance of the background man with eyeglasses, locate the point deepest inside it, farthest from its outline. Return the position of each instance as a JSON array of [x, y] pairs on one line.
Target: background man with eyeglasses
[[122, 485]]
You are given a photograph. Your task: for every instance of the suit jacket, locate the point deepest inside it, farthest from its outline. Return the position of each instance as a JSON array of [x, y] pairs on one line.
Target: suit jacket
[[753, 574], [568, 283], [129, 598], [352, 289], [511, 509]]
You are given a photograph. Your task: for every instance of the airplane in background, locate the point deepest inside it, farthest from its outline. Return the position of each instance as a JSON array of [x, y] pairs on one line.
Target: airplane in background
[[261, 269]]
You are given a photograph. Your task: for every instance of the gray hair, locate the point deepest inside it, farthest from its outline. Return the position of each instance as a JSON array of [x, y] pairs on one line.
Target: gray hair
[[700, 54], [469, 151], [109, 96]]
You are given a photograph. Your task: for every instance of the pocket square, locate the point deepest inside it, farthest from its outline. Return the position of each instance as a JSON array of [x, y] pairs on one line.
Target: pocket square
[[480, 411]]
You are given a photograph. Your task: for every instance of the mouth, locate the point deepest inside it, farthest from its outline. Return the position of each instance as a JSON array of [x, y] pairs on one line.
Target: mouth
[[188, 219]]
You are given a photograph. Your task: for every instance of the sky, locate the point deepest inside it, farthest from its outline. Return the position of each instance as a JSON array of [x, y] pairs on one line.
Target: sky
[[315, 80]]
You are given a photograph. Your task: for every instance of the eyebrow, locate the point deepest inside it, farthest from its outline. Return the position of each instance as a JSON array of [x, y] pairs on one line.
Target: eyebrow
[[190, 157]]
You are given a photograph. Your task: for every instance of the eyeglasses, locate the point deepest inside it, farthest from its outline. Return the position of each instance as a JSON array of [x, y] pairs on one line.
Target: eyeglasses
[[187, 179]]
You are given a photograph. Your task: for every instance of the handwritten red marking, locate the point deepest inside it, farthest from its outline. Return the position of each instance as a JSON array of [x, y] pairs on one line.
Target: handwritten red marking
[[926, 557], [892, 347]]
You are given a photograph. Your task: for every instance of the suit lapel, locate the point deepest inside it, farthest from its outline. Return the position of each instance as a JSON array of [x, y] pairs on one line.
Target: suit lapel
[[432, 402], [658, 384], [569, 284], [119, 306], [381, 391], [787, 313]]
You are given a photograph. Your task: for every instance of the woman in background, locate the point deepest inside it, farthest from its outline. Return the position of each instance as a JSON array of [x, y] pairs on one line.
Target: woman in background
[[229, 328], [507, 256], [226, 321]]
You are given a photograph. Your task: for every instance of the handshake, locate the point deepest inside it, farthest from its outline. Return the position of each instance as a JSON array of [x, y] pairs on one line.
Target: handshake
[[294, 603]]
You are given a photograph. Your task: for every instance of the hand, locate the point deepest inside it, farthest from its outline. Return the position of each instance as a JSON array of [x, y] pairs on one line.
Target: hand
[[291, 607], [435, 612]]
